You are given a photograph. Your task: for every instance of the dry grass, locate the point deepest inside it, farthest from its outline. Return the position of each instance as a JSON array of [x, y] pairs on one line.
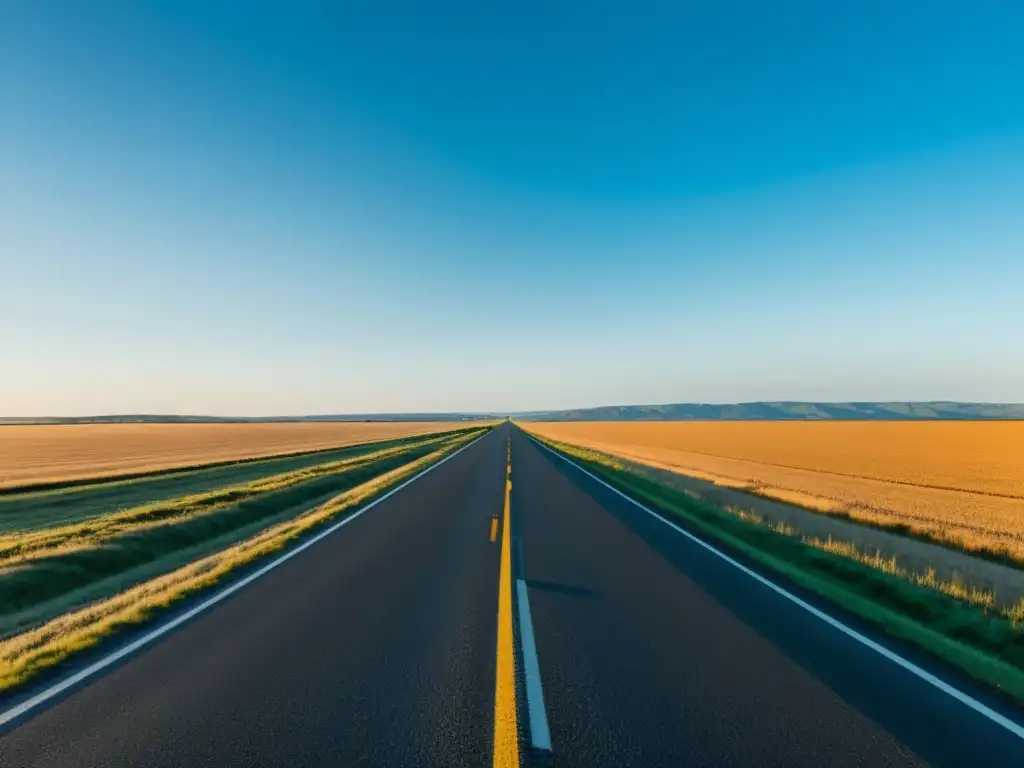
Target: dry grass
[[39, 454], [946, 618], [51, 572], [959, 483], [25, 654], [955, 588], [21, 547]]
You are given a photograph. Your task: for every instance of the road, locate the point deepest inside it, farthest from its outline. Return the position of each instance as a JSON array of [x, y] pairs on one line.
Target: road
[[387, 643]]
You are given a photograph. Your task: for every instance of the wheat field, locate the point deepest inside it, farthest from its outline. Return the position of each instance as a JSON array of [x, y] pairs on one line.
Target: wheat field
[[958, 482], [33, 454]]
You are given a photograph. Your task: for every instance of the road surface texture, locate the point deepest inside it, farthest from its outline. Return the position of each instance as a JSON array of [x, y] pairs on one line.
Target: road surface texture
[[377, 646], [654, 652]]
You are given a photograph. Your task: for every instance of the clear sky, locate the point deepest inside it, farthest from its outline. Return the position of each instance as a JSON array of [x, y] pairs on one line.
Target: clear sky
[[284, 208]]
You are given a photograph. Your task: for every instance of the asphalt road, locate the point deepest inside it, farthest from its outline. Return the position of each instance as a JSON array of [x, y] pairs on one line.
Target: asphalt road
[[654, 652], [377, 646]]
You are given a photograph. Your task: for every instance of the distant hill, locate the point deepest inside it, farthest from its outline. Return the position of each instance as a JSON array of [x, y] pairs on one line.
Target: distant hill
[[785, 411], [759, 411]]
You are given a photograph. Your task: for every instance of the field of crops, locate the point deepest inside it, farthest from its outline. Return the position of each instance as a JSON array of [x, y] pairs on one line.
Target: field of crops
[[49, 454], [78, 562], [961, 483]]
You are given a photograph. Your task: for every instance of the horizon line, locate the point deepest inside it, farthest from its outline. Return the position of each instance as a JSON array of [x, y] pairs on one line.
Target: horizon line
[[421, 415]]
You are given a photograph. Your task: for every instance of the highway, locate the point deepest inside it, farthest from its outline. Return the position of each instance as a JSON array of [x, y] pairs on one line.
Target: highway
[[459, 624]]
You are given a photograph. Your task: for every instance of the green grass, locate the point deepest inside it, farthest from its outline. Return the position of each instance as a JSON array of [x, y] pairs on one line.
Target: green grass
[[983, 642], [93, 532], [84, 569], [41, 509], [24, 656]]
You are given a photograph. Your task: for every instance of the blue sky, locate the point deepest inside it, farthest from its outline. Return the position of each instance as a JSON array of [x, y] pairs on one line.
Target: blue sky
[[254, 208]]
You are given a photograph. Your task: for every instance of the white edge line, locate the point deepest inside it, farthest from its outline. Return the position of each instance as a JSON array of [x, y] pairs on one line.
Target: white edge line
[[59, 687], [928, 677], [540, 735]]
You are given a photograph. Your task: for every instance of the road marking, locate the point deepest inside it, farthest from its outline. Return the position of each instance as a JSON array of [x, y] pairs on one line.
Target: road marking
[[540, 735], [923, 674], [494, 529], [57, 688], [506, 728]]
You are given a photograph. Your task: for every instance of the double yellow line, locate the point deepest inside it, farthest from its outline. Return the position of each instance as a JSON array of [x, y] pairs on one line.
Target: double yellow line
[[506, 727]]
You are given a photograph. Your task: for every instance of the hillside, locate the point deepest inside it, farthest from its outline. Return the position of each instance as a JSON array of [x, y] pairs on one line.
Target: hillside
[[761, 411]]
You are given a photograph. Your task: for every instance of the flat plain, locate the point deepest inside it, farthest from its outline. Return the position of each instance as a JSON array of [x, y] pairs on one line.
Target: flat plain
[[958, 482], [35, 454], [78, 562]]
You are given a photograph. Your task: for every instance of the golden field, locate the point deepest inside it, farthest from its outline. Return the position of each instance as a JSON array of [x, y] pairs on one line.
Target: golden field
[[955, 481], [52, 453]]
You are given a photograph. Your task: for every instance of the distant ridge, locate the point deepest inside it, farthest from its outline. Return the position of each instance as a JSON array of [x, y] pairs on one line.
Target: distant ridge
[[786, 411], [756, 411]]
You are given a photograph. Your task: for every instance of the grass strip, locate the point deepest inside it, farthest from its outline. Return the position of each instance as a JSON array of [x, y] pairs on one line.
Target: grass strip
[[931, 530], [48, 587], [1008, 553], [25, 655], [27, 512], [985, 644], [141, 475], [19, 547]]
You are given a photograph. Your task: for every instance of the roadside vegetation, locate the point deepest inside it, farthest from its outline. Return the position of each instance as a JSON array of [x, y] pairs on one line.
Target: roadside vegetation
[[107, 529], [959, 625], [35, 457], [954, 483], [56, 605], [23, 512]]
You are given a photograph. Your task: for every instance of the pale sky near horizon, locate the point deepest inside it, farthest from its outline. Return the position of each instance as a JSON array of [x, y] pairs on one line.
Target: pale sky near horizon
[[248, 209]]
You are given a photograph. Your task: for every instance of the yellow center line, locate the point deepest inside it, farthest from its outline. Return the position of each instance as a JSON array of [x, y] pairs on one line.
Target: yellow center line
[[506, 729], [494, 528]]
